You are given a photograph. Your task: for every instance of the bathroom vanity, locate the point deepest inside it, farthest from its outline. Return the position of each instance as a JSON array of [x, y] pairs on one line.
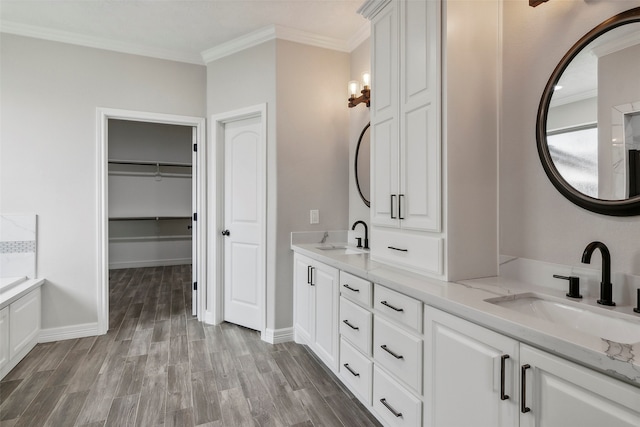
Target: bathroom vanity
[[422, 352]]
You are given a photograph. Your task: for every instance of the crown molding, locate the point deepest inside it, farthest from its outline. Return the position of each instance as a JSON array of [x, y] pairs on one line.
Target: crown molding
[[96, 42], [363, 33], [370, 8], [273, 32]]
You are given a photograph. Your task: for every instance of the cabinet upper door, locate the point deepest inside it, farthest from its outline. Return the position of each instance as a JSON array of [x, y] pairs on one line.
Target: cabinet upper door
[[561, 393], [420, 152]]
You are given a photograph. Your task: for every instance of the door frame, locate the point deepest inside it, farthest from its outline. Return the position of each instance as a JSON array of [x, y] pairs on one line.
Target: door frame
[[102, 202], [215, 255]]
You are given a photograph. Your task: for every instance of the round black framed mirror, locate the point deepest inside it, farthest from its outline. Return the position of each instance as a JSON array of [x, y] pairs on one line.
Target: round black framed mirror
[[588, 122], [362, 168]]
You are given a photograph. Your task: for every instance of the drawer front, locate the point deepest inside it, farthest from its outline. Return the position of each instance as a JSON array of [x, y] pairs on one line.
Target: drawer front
[[399, 352], [355, 325], [398, 307], [393, 403], [355, 288], [356, 370], [404, 249]]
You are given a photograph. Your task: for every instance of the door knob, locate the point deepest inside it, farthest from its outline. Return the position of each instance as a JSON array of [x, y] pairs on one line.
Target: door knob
[[226, 233]]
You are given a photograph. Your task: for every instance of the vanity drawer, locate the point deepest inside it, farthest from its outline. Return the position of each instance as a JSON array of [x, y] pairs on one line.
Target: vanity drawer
[[355, 288], [355, 325], [404, 249], [356, 370], [398, 307], [399, 352], [393, 403]]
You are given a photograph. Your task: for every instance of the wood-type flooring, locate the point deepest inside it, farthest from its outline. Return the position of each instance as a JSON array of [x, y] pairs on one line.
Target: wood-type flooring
[[158, 365]]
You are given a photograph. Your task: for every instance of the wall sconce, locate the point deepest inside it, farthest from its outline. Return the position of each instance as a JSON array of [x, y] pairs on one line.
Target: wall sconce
[[366, 91], [534, 3]]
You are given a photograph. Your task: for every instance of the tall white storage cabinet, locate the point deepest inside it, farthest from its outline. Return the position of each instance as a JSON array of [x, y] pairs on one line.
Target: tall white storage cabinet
[[150, 194], [434, 136]]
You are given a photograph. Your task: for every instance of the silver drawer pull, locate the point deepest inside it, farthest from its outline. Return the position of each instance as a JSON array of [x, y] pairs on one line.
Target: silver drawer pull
[[354, 373], [346, 322], [390, 306], [397, 249], [397, 356], [390, 408], [350, 288]]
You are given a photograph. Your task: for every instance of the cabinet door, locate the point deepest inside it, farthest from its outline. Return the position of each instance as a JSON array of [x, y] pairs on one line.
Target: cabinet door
[[304, 300], [464, 373], [562, 393], [4, 337], [384, 117], [24, 325], [325, 280], [419, 198]]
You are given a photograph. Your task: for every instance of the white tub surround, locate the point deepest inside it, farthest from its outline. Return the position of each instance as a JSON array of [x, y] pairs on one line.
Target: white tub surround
[[467, 300], [20, 299]]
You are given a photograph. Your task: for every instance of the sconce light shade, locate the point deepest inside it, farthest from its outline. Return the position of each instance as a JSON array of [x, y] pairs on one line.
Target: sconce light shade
[[365, 90]]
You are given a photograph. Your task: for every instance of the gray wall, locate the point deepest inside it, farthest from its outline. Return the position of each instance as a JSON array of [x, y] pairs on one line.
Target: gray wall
[[307, 153], [50, 92], [536, 221]]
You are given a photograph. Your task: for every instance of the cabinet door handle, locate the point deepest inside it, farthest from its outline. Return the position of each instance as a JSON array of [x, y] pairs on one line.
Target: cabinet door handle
[[502, 363], [397, 249], [400, 206], [523, 389], [309, 274], [391, 206], [346, 285], [397, 356], [391, 307], [346, 322], [390, 408], [354, 373]]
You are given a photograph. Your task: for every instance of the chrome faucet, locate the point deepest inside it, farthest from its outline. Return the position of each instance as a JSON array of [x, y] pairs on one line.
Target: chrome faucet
[[366, 234], [606, 289]]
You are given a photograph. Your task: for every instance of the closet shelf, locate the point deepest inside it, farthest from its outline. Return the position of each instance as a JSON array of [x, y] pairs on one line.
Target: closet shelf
[[148, 163], [150, 238], [146, 218]]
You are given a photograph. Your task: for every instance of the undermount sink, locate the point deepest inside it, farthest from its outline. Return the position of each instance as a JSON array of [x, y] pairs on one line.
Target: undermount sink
[[587, 319], [341, 249]]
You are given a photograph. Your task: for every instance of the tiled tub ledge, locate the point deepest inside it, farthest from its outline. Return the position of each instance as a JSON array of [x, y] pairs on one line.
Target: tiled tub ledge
[[467, 300]]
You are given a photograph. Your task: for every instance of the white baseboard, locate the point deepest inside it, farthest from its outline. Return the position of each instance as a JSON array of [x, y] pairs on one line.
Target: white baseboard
[[210, 318], [149, 263], [276, 336], [68, 332]]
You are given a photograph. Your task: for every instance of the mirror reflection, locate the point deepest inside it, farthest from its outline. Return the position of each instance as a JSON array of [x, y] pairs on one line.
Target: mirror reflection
[[363, 165], [593, 123]]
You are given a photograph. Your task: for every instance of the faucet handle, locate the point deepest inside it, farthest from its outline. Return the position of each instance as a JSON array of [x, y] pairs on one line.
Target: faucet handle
[[574, 285], [359, 240]]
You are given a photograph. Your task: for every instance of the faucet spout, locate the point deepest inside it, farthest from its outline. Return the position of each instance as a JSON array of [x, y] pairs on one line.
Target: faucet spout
[[606, 288], [366, 232]]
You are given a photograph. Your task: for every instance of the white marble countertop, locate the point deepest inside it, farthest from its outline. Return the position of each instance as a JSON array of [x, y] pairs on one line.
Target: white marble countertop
[[18, 290], [467, 300]]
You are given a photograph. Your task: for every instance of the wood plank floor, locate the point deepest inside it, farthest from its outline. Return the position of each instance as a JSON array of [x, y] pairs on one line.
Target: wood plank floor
[[158, 365]]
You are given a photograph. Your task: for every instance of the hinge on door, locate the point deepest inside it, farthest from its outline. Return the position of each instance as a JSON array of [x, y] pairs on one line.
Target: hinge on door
[[195, 286], [195, 147], [195, 216]]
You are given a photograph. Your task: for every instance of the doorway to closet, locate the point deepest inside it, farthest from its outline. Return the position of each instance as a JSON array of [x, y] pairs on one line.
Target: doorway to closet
[[150, 198]]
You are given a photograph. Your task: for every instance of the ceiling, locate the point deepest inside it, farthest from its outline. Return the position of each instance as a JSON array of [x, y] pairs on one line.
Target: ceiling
[[180, 29]]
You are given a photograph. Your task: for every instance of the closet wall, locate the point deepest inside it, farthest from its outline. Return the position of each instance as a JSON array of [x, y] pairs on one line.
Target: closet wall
[[150, 191]]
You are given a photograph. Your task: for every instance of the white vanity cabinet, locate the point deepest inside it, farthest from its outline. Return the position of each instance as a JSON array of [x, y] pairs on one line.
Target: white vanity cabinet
[[471, 374], [559, 392], [475, 376], [316, 293], [4, 337], [425, 103]]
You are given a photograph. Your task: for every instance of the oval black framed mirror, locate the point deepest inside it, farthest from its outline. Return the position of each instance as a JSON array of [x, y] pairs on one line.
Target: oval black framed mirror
[[588, 122], [362, 166]]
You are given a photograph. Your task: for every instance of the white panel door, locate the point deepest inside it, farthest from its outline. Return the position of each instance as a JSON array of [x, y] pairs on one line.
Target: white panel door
[[304, 314], [244, 264], [4, 337], [561, 393], [325, 280], [194, 222]]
